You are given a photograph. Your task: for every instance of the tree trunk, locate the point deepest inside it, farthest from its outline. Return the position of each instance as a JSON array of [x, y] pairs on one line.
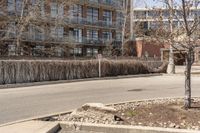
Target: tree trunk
[[18, 46], [189, 62], [171, 65]]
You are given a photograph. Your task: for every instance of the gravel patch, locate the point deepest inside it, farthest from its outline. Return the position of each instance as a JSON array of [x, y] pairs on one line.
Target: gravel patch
[[167, 113]]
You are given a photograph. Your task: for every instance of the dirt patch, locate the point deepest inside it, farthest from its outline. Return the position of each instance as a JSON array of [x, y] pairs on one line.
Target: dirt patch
[[161, 113], [167, 113]]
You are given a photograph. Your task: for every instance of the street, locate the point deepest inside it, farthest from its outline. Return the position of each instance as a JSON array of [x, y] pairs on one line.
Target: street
[[26, 102]]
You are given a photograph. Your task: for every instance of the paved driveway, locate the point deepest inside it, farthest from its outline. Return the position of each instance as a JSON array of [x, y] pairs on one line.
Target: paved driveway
[[21, 103]]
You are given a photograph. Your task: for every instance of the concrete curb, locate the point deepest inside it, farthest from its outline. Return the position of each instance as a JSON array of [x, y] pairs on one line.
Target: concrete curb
[[10, 86], [46, 117], [123, 129], [32, 127], [88, 127], [36, 118]]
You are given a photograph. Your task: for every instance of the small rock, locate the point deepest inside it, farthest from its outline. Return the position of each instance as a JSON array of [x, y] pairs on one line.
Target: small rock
[[117, 118], [182, 124], [137, 104], [81, 120], [139, 123], [172, 125], [177, 127], [132, 123], [188, 128], [197, 128]]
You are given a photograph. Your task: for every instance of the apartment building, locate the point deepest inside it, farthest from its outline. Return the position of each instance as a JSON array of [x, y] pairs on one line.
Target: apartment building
[[60, 28], [151, 19]]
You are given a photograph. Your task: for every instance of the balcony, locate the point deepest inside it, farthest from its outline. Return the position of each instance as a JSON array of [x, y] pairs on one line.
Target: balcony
[[5, 34], [47, 38], [110, 3], [85, 21], [3, 16]]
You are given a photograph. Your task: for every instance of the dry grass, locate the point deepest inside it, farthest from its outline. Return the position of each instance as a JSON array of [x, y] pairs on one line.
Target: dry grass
[[24, 71]]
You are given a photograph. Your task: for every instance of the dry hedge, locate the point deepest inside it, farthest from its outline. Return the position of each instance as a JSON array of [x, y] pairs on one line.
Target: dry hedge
[[24, 71]]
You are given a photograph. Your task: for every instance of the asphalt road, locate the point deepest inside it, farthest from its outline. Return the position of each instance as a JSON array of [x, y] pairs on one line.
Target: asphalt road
[[22, 103]]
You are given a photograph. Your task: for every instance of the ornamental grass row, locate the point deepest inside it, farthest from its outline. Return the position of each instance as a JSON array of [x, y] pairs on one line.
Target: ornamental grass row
[[25, 71]]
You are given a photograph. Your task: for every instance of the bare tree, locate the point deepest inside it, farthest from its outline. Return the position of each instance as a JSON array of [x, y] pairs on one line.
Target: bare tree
[[181, 37], [35, 13]]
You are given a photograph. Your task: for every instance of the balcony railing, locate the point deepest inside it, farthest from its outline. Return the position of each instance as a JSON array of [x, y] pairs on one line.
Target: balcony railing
[[40, 37], [85, 21], [113, 3]]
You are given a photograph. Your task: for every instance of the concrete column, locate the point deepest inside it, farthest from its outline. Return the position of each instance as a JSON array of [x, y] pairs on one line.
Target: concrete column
[[100, 33], [114, 34], [114, 16], [100, 13], [84, 14]]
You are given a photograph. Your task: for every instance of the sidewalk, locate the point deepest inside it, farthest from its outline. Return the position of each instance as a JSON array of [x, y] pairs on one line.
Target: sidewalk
[[31, 127], [181, 69]]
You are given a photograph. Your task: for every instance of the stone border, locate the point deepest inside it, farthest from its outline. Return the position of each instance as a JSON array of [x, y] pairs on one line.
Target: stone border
[[87, 127]]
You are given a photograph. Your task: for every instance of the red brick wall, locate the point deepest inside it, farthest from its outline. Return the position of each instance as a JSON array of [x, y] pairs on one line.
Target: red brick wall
[[143, 47]]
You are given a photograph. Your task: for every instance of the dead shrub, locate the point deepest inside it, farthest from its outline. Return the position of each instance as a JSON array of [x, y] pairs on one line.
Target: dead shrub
[[24, 71]]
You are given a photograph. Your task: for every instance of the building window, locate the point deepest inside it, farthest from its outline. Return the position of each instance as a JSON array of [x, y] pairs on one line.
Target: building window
[[11, 50], [40, 4], [38, 50], [120, 19], [11, 5], [36, 33], [89, 51], [77, 34], [107, 36], [59, 51], [92, 35], [107, 1], [92, 14], [54, 10], [60, 32], [77, 51], [119, 36], [12, 29], [57, 10], [57, 32], [19, 6], [94, 1], [107, 17], [77, 11], [95, 51]]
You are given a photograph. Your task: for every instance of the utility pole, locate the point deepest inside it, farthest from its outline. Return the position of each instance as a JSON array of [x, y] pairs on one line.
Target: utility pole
[[171, 65]]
